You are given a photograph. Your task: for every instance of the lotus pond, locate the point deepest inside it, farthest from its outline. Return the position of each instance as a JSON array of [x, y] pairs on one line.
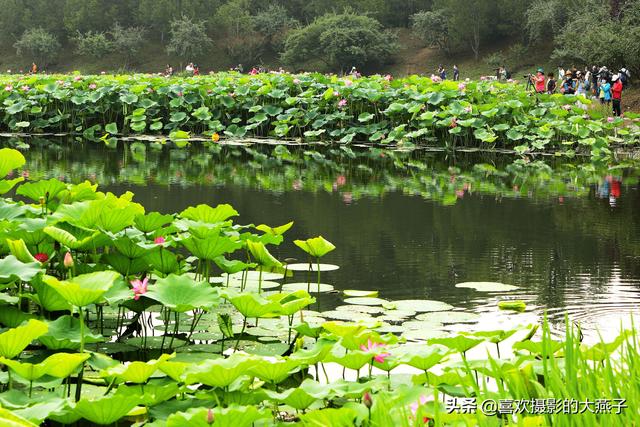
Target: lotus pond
[[152, 284]]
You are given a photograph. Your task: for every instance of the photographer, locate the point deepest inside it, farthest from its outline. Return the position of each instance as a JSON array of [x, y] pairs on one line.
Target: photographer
[[539, 81], [569, 85]]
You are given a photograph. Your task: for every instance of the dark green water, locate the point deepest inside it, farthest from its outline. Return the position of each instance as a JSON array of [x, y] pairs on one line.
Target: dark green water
[[410, 225]]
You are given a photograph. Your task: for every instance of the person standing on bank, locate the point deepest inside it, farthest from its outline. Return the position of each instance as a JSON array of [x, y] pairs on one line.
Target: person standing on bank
[[616, 91], [539, 81], [456, 73]]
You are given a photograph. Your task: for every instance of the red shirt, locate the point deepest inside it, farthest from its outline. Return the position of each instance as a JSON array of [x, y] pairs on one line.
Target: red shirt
[[617, 90], [540, 86]]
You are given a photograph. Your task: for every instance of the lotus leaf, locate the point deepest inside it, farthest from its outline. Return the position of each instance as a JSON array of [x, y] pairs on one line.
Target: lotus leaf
[[182, 293], [84, 289]]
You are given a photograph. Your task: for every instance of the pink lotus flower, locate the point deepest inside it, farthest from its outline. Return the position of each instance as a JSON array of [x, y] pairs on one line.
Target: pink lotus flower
[[454, 123], [139, 287], [210, 417], [459, 194], [77, 78], [341, 180], [296, 81], [41, 257], [414, 408], [610, 119], [297, 185], [483, 78], [388, 77], [180, 94], [342, 103], [435, 78], [159, 240], [8, 88], [68, 260], [367, 400], [462, 86], [336, 93], [468, 109], [92, 86], [371, 348], [25, 174], [25, 88], [348, 83], [510, 81]]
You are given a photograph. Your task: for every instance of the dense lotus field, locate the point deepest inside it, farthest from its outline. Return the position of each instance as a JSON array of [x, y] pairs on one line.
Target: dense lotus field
[[407, 111], [114, 315]]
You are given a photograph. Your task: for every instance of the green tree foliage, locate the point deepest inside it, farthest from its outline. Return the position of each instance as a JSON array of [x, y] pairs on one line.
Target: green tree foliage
[[274, 22], [39, 44], [188, 38], [341, 41], [432, 27], [93, 44], [241, 39], [127, 41]]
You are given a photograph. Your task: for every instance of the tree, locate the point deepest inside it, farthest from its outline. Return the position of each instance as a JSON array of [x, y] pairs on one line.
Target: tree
[[127, 41], [93, 44], [432, 27], [274, 23], [40, 44], [241, 41], [341, 41], [188, 38]]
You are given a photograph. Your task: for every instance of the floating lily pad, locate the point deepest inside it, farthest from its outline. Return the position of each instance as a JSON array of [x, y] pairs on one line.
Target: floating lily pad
[[349, 316], [154, 342], [366, 301], [516, 305], [421, 325], [111, 348], [312, 288], [369, 309], [386, 328], [449, 317], [314, 267], [254, 285], [397, 315], [356, 293], [418, 335], [419, 305], [487, 286], [255, 275]]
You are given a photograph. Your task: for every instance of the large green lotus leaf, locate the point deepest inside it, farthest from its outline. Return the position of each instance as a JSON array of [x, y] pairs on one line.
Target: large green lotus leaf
[[11, 210], [539, 347], [49, 298], [111, 214], [354, 359], [11, 270], [303, 396], [79, 192], [261, 255], [174, 370], [487, 286], [218, 372], [106, 410], [292, 302], [76, 238], [252, 305], [163, 260], [9, 419], [182, 293], [13, 341], [421, 357], [208, 214], [232, 266], [7, 184], [84, 289], [152, 221], [274, 370], [59, 365], [459, 343], [46, 189], [276, 231], [12, 317], [233, 416], [154, 393], [343, 417], [19, 249], [211, 247], [64, 333], [316, 247], [129, 247], [10, 159], [125, 265], [135, 372]]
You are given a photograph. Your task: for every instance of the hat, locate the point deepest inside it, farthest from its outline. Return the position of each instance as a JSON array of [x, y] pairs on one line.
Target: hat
[[540, 70], [615, 78], [568, 73]]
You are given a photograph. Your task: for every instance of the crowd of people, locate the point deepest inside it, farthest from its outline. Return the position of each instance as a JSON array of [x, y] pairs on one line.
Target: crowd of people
[[598, 83]]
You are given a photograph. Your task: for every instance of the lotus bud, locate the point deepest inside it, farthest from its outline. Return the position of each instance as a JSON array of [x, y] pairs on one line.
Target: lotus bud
[[210, 417], [41, 200], [367, 400], [68, 260]]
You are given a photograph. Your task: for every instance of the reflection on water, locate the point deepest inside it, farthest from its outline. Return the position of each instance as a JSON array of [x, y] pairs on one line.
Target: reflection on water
[[411, 225]]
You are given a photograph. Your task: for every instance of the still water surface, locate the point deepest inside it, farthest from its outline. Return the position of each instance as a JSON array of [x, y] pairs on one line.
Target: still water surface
[[410, 225]]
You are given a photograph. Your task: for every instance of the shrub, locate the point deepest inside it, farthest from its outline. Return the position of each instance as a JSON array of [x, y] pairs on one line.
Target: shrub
[[188, 38], [40, 44], [127, 41], [433, 29]]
